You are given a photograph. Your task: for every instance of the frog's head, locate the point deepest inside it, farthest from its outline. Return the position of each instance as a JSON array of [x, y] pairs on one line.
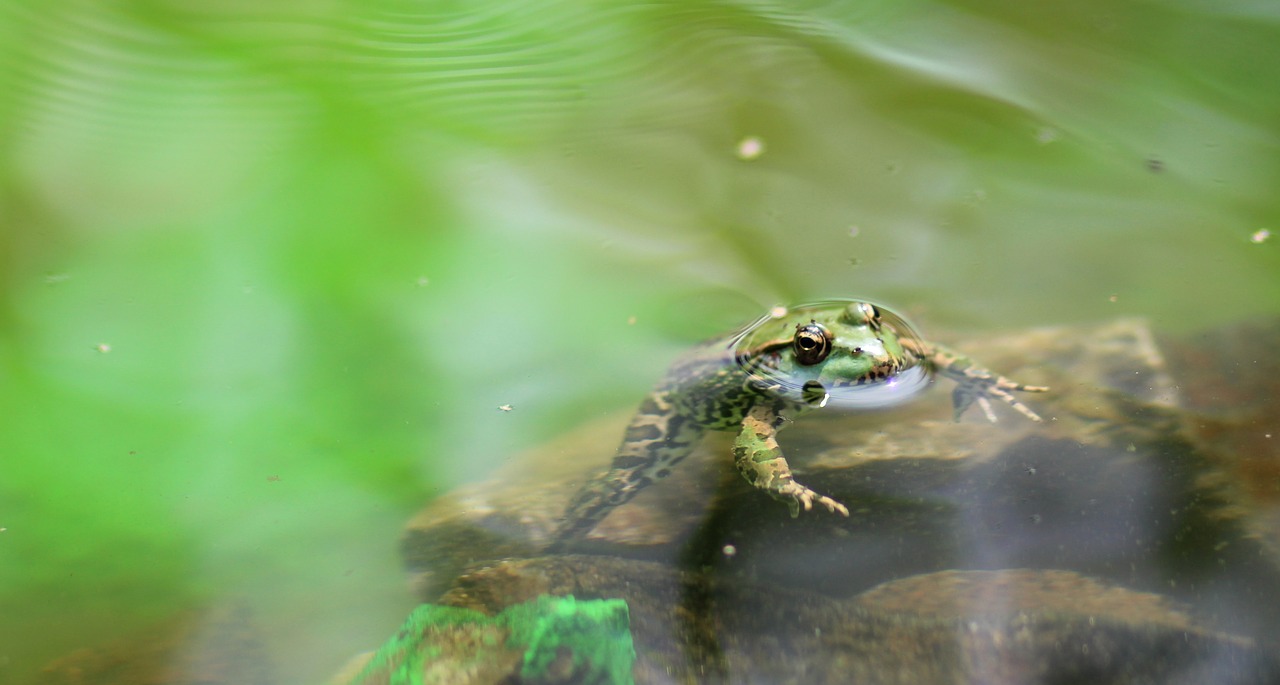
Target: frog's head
[[846, 353]]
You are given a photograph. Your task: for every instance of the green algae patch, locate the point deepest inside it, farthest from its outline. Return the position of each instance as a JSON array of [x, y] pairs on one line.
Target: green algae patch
[[593, 636], [544, 641]]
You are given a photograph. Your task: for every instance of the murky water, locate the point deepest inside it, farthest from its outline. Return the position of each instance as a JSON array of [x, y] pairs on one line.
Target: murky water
[[272, 278]]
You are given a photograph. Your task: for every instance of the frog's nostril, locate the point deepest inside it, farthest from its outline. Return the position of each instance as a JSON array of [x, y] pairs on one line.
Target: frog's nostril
[[813, 392]]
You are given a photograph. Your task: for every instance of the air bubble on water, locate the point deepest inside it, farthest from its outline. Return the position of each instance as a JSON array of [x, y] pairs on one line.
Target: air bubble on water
[[750, 148]]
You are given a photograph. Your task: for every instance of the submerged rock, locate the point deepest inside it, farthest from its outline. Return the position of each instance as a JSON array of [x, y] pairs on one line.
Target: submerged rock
[[1138, 560], [217, 646], [696, 627], [1229, 382]]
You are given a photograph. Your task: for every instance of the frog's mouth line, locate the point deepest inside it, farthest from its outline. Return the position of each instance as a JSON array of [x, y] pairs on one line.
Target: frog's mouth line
[[887, 391]]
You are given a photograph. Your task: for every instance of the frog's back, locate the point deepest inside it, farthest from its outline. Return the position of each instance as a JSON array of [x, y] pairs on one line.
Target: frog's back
[[708, 387]]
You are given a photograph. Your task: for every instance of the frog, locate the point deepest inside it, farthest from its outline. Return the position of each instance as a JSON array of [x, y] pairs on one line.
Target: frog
[[850, 354]]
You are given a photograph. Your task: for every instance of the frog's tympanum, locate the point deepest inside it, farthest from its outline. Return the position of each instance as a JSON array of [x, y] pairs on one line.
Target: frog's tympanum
[[854, 355]]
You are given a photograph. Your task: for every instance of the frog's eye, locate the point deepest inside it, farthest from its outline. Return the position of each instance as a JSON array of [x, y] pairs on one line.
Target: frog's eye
[[812, 343]]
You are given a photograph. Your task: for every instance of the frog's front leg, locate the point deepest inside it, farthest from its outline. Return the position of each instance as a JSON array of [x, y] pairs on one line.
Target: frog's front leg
[[759, 460], [973, 382]]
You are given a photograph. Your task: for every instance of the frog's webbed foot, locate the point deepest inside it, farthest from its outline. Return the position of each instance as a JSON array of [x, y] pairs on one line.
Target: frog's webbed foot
[[974, 383], [981, 388], [759, 460]]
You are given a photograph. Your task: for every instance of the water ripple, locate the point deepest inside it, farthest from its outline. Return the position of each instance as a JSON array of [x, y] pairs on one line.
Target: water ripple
[[505, 71]]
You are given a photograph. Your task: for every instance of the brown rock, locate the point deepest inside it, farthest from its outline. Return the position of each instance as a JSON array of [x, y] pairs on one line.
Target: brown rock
[[1141, 561], [220, 646], [693, 627]]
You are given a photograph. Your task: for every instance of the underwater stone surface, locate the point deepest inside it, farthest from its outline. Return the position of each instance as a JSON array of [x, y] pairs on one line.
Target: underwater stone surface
[[218, 646], [696, 627], [1229, 381], [1121, 487]]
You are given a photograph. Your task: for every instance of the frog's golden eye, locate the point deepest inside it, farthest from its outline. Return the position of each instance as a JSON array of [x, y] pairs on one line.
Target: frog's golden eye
[[812, 343]]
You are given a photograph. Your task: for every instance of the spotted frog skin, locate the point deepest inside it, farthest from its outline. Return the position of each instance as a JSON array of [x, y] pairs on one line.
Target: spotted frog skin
[[854, 355]]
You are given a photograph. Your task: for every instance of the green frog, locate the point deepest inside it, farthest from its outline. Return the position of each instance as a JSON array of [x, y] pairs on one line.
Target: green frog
[[849, 354]]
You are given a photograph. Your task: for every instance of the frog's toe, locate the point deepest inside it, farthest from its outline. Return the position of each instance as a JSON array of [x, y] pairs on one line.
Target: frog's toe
[[834, 506], [1025, 411], [981, 390], [1008, 398], [808, 497], [986, 408]]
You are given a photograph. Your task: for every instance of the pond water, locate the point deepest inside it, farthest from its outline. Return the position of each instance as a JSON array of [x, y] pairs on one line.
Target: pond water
[[274, 277]]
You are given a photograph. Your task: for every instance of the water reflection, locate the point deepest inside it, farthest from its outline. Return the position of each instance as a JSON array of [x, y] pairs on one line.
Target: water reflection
[[243, 243]]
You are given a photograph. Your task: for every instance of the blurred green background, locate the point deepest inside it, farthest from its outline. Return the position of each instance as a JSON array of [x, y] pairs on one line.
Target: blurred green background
[[268, 270]]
